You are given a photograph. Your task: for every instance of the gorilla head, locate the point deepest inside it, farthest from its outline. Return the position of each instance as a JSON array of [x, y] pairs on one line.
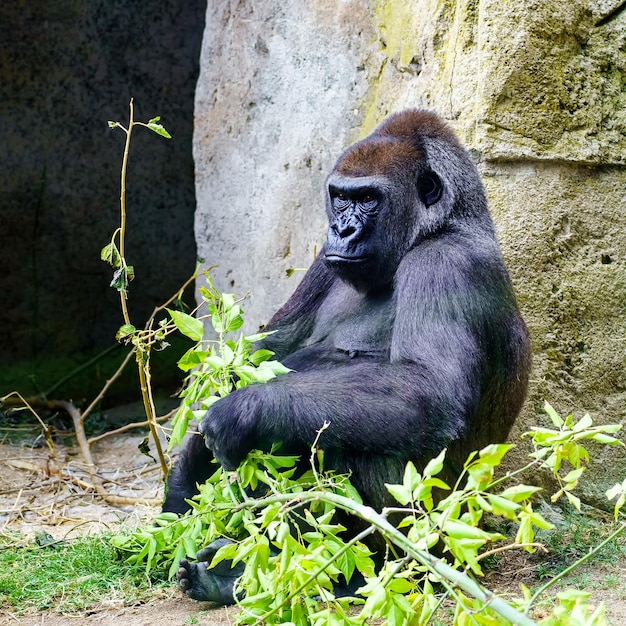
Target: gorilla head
[[384, 195]]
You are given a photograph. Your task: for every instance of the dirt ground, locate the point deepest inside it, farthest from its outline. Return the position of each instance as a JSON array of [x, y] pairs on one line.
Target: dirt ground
[[42, 491]]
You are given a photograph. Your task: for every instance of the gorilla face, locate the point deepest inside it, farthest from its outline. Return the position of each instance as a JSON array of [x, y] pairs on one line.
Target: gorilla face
[[353, 247], [371, 224]]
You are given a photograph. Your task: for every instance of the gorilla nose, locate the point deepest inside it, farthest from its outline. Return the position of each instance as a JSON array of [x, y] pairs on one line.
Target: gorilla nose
[[345, 231]]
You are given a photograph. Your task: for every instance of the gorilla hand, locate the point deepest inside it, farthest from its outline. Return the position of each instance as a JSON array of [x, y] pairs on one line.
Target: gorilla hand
[[230, 426]]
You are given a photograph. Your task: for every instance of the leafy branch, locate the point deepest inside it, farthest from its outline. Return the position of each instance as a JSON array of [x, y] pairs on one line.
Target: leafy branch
[[143, 340], [294, 552], [213, 366], [216, 365]]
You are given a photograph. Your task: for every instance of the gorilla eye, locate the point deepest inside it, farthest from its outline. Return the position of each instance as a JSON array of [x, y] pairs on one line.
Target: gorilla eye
[[341, 202], [368, 202]]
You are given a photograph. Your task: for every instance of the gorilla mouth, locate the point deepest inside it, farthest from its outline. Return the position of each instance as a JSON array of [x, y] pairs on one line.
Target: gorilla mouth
[[339, 258]]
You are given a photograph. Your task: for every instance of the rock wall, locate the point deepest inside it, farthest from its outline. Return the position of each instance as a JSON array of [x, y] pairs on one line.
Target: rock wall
[[274, 107], [66, 68], [534, 88]]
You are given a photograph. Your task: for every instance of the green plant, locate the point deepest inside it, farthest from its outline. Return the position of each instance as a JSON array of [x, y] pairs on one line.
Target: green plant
[[556, 447], [294, 552], [142, 340], [217, 365]]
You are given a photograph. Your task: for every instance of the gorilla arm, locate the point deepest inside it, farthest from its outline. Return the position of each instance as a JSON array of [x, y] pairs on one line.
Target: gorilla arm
[[395, 409]]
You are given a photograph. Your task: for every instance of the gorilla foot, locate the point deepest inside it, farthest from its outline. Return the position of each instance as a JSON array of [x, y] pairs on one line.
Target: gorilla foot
[[200, 583], [216, 584]]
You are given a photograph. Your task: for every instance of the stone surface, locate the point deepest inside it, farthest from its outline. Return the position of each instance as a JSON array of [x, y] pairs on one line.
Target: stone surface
[[66, 68], [275, 105], [563, 230], [534, 89]]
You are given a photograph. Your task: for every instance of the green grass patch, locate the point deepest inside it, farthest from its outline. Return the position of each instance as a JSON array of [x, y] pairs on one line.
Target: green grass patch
[[68, 576], [573, 536]]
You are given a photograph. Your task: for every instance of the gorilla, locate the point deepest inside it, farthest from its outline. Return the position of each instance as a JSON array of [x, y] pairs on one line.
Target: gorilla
[[404, 334]]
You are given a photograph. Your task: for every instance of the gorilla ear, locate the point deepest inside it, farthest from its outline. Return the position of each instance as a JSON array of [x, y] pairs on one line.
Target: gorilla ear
[[429, 188]]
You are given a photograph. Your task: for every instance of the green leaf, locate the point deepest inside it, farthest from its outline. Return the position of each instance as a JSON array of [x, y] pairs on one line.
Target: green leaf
[[187, 325], [435, 465], [459, 530], [158, 128], [493, 454], [266, 371], [228, 301], [257, 375], [192, 358], [503, 507], [113, 124], [619, 504], [411, 478], [234, 323], [376, 601], [574, 475], [257, 337], [584, 423], [227, 354], [615, 490], [518, 493], [401, 493], [122, 276], [607, 440], [529, 518], [215, 362], [481, 473], [124, 331], [437, 483], [110, 254], [256, 358], [179, 425], [216, 322], [276, 367], [400, 585], [571, 597], [553, 415], [573, 500]]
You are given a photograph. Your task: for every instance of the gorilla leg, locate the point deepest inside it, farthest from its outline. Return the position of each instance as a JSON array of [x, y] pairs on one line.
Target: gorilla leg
[[192, 467]]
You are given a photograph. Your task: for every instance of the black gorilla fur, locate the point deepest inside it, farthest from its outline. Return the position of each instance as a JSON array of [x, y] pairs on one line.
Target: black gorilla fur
[[404, 334]]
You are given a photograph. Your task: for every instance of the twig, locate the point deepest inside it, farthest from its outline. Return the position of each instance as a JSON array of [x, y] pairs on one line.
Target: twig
[[122, 229], [123, 429], [27, 402], [512, 546], [148, 402], [81, 438], [174, 297], [109, 382], [314, 450], [81, 368]]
